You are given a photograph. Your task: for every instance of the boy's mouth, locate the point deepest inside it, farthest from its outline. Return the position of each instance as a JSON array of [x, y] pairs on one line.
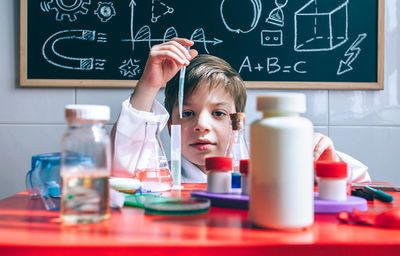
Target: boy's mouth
[[202, 144]]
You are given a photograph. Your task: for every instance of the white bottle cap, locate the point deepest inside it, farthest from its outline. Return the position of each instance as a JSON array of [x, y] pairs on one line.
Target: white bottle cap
[[76, 113], [283, 102]]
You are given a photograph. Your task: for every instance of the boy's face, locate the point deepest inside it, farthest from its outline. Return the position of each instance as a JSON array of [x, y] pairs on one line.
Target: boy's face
[[204, 123]]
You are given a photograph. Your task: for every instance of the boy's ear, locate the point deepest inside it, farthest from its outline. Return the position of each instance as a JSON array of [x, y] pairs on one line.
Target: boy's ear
[[169, 127]]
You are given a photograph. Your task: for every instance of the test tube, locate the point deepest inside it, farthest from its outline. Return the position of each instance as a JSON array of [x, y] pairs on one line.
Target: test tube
[[176, 156], [181, 86]]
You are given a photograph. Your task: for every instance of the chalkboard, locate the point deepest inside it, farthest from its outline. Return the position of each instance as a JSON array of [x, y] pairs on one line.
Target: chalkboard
[[311, 44]]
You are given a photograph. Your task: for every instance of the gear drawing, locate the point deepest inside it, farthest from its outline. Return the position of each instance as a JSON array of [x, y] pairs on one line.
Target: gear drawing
[[105, 11], [69, 10]]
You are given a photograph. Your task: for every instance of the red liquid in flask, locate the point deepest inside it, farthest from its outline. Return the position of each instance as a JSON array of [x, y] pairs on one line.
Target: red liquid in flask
[[154, 179]]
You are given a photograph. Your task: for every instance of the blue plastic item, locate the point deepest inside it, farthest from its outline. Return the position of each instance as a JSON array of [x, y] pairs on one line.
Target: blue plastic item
[[43, 179], [236, 180]]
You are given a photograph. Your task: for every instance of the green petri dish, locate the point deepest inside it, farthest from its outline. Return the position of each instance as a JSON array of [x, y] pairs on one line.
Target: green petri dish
[[139, 200], [177, 207]]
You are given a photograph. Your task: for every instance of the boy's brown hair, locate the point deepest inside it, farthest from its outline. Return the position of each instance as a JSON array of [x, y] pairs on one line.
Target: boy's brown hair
[[215, 72]]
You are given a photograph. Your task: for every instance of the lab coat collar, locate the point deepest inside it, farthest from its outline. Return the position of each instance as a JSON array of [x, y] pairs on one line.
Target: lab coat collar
[[191, 173]]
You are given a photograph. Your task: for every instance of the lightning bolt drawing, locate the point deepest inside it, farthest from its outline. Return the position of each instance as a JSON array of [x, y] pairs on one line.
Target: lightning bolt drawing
[[352, 54]]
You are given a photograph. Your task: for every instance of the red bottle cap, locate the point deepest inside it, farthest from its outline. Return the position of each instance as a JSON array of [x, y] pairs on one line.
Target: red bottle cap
[[219, 163], [330, 169], [244, 166]]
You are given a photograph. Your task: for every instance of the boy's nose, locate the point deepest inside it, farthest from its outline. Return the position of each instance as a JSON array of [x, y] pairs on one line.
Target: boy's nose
[[202, 124]]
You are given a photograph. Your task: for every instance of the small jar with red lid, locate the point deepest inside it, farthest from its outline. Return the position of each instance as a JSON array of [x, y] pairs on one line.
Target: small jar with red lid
[[244, 170], [332, 180], [219, 169]]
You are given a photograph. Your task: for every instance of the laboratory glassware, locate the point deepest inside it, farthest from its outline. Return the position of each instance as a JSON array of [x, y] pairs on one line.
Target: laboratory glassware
[[152, 165], [85, 184], [237, 146]]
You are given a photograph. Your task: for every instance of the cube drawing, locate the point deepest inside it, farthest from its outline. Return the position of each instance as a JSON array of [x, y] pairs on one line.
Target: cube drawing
[[321, 27]]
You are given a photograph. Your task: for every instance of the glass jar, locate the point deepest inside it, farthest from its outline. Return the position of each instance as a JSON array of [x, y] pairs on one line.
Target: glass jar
[[85, 185], [237, 146]]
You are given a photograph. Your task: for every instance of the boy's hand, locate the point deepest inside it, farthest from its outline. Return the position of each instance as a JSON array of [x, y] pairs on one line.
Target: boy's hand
[[164, 61], [323, 148]]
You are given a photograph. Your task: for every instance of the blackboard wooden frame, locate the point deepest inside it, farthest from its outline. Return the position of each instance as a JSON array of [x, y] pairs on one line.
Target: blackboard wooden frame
[[26, 82]]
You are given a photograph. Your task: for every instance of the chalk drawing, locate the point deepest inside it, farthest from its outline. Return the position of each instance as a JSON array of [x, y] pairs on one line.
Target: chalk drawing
[[132, 5], [57, 59], [276, 16], [144, 35], [273, 66], [129, 68], [198, 36], [321, 27], [257, 7], [159, 9], [351, 54], [271, 37], [105, 11], [66, 8], [169, 34]]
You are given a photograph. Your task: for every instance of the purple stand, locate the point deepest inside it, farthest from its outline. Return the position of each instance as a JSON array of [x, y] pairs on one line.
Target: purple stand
[[330, 206], [224, 200], [320, 206]]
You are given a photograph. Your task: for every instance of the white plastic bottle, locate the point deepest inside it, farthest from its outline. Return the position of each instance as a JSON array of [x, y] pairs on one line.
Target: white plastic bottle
[[281, 164]]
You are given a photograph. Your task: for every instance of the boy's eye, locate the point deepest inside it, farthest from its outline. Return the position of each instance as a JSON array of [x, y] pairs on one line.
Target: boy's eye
[[219, 113], [187, 113]]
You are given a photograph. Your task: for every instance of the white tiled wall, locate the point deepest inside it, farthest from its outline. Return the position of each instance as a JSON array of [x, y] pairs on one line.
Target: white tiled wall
[[365, 124], [377, 147]]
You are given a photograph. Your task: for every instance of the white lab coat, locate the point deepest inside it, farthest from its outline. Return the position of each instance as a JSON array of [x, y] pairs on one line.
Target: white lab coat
[[130, 133]]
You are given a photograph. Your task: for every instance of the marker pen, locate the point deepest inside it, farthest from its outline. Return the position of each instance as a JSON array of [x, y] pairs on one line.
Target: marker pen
[[380, 195]]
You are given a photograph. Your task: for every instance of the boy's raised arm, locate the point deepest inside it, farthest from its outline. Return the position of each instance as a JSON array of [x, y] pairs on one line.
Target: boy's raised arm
[[163, 62], [323, 148]]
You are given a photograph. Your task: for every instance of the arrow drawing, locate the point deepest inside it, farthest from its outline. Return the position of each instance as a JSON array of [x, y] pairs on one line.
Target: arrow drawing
[[132, 4], [144, 35], [352, 54]]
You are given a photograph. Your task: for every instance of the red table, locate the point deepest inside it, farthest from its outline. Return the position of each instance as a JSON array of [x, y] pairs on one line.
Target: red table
[[27, 229]]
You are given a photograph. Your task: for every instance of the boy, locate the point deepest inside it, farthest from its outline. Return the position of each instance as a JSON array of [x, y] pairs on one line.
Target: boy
[[212, 90]]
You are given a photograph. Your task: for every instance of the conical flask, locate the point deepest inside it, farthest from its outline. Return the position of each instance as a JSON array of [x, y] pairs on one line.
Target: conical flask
[[152, 165], [237, 147]]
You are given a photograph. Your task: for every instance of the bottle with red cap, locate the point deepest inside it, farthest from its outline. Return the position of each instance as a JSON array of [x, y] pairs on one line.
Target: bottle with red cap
[[332, 180], [219, 171], [244, 170]]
